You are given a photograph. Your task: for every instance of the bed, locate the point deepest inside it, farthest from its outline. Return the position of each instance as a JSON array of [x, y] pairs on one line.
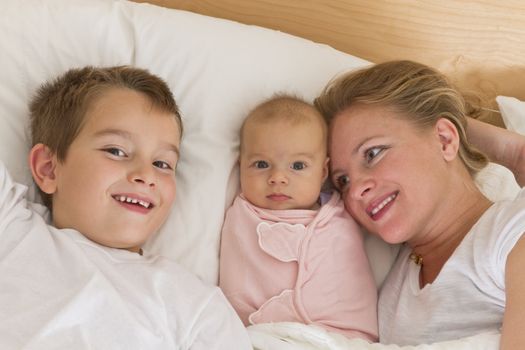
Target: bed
[[477, 43], [220, 58]]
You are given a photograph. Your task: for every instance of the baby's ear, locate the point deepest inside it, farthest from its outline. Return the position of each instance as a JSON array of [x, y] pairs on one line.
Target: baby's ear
[[326, 169], [43, 163]]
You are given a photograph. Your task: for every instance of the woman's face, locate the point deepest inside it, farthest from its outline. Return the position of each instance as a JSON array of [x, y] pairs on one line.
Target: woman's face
[[391, 174]]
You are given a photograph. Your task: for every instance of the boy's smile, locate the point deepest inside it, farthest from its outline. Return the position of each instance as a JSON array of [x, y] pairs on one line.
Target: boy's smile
[[141, 205], [117, 183]]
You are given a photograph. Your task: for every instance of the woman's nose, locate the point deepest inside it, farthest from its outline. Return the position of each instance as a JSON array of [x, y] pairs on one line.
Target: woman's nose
[[360, 187]]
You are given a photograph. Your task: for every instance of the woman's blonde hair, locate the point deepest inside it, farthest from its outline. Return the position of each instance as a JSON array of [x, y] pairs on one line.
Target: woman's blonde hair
[[417, 92]]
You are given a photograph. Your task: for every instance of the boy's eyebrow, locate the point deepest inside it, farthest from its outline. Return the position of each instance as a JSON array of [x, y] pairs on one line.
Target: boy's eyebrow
[[128, 135]]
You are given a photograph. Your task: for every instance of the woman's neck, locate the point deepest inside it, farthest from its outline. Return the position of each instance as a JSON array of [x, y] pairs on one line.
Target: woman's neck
[[437, 246]]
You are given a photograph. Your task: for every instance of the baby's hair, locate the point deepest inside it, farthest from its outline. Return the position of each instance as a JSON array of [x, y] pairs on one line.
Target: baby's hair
[[283, 106], [58, 109], [415, 91]]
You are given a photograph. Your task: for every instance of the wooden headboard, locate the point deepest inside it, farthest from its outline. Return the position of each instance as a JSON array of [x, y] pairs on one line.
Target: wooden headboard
[[480, 44]]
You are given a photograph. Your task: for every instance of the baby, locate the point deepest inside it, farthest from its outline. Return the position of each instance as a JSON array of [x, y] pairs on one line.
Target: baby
[[288, 251], [105, 148]]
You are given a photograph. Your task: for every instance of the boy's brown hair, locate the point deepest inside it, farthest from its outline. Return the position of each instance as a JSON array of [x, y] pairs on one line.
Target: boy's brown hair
[[58, 108]]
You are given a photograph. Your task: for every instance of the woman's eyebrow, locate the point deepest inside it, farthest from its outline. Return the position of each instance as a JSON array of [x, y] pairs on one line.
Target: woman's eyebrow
[[360, 144]]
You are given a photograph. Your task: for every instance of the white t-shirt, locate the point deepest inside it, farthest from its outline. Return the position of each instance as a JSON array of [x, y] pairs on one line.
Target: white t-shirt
[[468, 295], [59, 290]]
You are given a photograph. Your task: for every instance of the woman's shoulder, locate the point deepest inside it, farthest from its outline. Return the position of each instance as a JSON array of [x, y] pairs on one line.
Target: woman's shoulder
[[498, 229], [504, 210]]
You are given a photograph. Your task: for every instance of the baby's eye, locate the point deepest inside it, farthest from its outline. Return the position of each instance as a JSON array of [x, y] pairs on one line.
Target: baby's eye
[[298, 165], [115, 151], [261, 164], [342, 182], [162, 165], [373, 152]]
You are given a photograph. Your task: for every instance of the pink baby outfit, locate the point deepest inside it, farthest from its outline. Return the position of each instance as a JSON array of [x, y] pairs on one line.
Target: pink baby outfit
[[306, 266]]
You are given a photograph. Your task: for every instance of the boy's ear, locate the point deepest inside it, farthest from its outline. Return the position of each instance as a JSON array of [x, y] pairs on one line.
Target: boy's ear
[[43, 164], [448, 138]]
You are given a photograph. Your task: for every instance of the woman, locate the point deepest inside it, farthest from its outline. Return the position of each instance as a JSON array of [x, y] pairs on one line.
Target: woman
[[400, 157]]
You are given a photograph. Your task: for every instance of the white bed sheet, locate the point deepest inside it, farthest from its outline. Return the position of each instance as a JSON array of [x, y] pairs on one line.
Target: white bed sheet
[[295, 336]]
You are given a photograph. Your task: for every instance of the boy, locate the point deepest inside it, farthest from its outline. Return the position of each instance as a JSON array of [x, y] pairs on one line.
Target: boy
[[285, 255], [105, 147]]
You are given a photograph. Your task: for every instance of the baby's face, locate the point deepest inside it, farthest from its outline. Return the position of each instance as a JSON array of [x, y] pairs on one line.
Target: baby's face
[[283, 165], [117, 183]]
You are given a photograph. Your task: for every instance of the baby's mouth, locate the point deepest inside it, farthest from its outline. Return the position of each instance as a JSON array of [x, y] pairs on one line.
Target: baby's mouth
[[279, 197], [135, 201]]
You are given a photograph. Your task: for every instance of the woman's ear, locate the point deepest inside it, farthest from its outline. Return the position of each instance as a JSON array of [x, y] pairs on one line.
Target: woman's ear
[[43, 164], [448, 138]]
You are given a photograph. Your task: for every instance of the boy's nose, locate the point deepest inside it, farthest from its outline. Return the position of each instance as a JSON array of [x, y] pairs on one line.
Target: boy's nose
[[143, 173]]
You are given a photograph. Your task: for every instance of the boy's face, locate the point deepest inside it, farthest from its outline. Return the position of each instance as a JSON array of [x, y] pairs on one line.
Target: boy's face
[[283, 165], [117, 183]]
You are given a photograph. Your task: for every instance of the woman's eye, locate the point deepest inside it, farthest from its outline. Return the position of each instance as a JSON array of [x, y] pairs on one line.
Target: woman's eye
[[261, 164], [341, 182], [373, 152], [115, 151], [162, 165], [298, 166]]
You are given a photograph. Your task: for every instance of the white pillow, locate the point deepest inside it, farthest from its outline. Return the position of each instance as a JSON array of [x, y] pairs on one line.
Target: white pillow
[[496, 181], [512, 112], [217, 69]]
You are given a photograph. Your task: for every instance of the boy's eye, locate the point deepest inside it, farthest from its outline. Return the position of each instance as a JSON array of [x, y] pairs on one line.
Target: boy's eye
[[298, 165], [162, 165], [261, 164], [115, 151], [342, 182]]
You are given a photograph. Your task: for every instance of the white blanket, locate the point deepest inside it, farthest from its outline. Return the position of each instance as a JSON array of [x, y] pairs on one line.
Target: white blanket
[[296, 336]]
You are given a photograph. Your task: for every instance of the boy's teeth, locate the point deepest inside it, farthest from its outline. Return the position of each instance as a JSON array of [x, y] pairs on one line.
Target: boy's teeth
[[133, 200]]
